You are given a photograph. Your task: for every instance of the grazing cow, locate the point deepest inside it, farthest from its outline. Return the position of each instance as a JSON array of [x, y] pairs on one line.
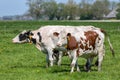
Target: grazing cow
[[45, 39], [42, 40], [85, 43]]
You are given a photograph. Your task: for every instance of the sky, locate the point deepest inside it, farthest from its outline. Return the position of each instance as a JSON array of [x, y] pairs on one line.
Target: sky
[[19, 7], [13, 7]]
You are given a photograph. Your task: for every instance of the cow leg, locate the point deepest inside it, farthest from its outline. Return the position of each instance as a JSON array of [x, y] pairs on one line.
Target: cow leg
[[73, 64], [100, 62], [77, 66], [56, 55], [88, 64], [49, 61], [100, 57], [74, 59], [50, 57], [59, 58], [69, 55]]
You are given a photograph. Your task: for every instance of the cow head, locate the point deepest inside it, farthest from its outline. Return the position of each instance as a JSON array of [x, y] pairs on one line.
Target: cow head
[[67, 41], [62, 39], [23, 37]]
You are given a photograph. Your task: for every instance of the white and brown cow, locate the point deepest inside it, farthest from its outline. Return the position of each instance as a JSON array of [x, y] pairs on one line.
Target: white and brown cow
[[86, 43], [46, 38]]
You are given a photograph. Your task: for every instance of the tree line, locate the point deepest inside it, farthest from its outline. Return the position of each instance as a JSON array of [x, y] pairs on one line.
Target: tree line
[[85, 10]]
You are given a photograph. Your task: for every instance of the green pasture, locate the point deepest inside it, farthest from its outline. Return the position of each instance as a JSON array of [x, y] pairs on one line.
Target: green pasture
[[25, 62]]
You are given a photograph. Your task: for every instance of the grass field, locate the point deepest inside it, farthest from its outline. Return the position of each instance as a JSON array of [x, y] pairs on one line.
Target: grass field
[[25, 62]]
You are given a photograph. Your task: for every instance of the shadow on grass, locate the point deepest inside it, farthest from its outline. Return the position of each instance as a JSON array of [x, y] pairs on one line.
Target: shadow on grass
[[27, 66], [66, 68]]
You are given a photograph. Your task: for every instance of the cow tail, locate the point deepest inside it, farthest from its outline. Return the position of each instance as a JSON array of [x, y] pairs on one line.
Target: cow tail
[[111, 47], [108, 39]]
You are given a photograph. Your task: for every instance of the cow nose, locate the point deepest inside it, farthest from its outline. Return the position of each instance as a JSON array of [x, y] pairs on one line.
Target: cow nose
[[13, 41]]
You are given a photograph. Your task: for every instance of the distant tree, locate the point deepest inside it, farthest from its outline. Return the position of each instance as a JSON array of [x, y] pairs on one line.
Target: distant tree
[[70, 9], [86, 16], [85, 10], [118, 10], [50, 9], [35, 9], [100, 8], [60, 11]]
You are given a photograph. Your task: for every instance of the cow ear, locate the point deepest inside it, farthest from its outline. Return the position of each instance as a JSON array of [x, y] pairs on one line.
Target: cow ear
[[29, 32], [56, 34], [68, 34]]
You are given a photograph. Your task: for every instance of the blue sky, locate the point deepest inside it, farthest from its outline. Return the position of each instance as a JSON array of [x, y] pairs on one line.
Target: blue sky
[[18, 7], [12, 7]]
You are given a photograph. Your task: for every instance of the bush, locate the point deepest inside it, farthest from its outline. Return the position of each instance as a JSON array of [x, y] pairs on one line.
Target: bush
[[87, 16]]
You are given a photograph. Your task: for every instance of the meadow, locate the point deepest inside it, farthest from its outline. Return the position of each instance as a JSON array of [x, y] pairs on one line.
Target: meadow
[[25, 62]]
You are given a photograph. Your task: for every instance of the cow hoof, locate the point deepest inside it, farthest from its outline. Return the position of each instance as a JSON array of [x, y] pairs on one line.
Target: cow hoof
[[78, 70], [59, 64], [71, 72], [99, 70]]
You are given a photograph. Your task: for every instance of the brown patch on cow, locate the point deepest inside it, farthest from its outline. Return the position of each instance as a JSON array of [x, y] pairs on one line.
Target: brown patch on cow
[[91, 37], [72, 43], [56, 34]]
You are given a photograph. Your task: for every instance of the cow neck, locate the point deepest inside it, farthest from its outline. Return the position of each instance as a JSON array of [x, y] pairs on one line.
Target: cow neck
[[30, 38], [71, 43]]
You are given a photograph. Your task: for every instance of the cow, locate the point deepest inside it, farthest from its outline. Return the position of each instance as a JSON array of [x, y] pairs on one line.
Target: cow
[[45, 40], [86, 43], [42, 40]]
